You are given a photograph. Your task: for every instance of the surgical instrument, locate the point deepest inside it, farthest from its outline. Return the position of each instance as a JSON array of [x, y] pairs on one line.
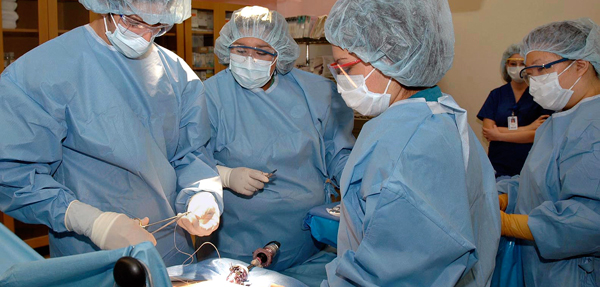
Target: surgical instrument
[[262, 258], [271, 174], [170, 220]]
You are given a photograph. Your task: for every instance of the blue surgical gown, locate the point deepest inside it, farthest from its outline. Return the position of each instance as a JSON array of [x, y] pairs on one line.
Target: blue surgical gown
[[559, 188], [508, 158], [299, 126], [419, 204], [82, 121], [89, 269]]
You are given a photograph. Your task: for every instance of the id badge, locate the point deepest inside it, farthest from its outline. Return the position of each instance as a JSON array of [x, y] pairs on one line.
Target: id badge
[[513, 123]]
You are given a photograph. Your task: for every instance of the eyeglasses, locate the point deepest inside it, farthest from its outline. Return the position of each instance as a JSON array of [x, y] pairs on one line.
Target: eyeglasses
[[538, 70], [264, 54], [343, 69], [141, 28]]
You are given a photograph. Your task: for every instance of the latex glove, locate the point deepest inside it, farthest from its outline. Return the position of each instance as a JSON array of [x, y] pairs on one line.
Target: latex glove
[[503, 200], [108, 230], [515, 225], [204, 215], [242, 180]]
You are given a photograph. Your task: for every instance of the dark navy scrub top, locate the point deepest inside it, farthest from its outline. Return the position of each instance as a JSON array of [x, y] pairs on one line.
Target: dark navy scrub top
[[508, 158]]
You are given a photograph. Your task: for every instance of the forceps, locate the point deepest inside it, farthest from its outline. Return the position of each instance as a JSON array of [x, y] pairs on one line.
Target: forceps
[[170, 221]]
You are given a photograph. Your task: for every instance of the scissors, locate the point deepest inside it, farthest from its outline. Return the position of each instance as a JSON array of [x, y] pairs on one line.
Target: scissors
[[170, 220]]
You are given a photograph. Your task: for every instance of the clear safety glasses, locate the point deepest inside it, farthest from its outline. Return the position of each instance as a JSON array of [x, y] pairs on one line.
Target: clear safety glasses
[[538, 70], [263, 54], [141, 28], [341, 74]]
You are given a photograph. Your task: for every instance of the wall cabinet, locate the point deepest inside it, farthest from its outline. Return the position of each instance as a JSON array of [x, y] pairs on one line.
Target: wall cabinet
[[201, 33], [40, 21]]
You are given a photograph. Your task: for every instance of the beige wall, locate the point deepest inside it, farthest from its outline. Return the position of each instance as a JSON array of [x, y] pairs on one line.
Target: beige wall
[[483, 30]]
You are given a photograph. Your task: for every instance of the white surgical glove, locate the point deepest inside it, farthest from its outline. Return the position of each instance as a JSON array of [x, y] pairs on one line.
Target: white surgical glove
[[242, 180], [203, 217], [108, 230]]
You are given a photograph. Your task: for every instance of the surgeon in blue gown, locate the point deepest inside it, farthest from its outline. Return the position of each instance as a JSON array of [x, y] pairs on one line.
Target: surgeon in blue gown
[[557, 196], [419, 204], [100, 126], [265, 116]]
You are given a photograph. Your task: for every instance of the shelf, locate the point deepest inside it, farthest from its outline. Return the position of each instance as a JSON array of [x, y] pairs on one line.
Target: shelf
[[37, 241], [195, 32], [169, 34], [311, 41], [202, 68], [20, 31]]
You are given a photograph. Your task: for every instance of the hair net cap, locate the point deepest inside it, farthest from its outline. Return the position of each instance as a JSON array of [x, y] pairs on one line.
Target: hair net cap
[[511, 50], [411, 41], [574, 39], [259, 22], [151, 11]]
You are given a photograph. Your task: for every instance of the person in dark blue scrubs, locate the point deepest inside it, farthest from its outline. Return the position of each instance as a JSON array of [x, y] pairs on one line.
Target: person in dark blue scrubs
[[510, 117]]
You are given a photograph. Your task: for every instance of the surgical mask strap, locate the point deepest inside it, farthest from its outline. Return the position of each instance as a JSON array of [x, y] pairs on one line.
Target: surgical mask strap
[[368, 75], [388, 85], [113, 18], [571, 88], [566, 70], [105, 26]]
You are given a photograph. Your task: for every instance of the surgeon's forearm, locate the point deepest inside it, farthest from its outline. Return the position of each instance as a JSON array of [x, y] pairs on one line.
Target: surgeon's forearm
[[44, 201], [515, 225]]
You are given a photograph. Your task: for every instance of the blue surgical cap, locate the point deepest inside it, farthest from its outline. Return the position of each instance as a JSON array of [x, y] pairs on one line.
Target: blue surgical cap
[[411, 41], [575, 39], [511, 50], [259, 22], [151, 11]]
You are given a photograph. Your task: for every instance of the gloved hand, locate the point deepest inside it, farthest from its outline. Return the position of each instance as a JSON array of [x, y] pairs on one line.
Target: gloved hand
[[204, 215], [503, 200], [108, 230], [242, 180], [515, 225]]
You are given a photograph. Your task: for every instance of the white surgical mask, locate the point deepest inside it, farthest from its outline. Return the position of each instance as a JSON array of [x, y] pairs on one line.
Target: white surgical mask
[[249, 72], [547, 91], [128, 43], [513, 72], [360, 98]]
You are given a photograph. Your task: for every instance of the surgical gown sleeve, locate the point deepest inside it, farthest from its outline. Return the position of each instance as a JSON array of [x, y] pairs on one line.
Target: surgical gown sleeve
[[338, 135], [417, 226], [32, 129], [195, 167], [570, 226], [509, 186]]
